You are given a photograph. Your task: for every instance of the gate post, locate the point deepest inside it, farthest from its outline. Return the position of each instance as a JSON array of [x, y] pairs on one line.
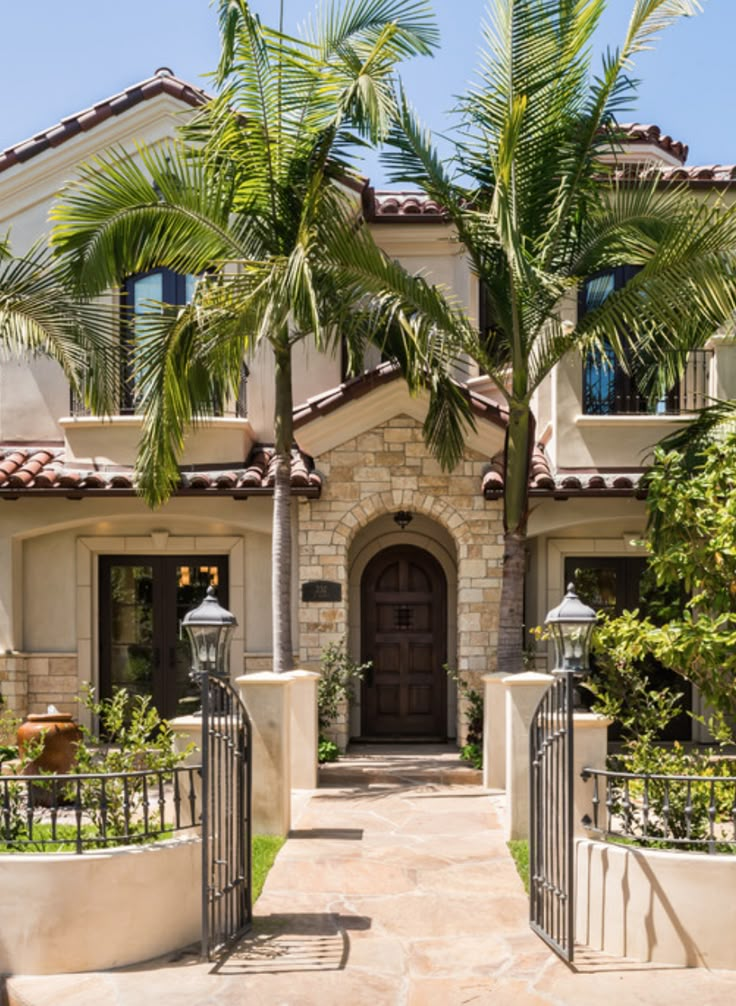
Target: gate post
[[523, 694], [494, 731], [304, 729], [267, 697], [590, 750]]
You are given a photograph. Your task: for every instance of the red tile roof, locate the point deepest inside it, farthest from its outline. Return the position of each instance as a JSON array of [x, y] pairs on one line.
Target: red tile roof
[[565, 482], [385, 206], [44, 470], [162, 82], [357, 387], [648, 133]]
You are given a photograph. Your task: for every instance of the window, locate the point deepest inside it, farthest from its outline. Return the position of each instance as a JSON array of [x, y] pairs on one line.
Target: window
[[609, 391], [140, 295]]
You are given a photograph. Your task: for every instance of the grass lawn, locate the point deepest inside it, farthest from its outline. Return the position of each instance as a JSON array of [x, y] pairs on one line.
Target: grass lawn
[[265, 848], [519, 849]]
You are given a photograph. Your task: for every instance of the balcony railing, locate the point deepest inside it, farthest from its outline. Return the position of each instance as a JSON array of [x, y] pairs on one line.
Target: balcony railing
[[609, 391], [127, 406]]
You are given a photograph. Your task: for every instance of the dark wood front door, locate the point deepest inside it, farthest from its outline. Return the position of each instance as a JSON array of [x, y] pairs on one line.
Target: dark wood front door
[[404, 634], [142, 602]]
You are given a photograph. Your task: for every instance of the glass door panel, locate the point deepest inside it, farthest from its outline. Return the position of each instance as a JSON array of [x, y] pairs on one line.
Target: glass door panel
[[192, 580], [132, 651]]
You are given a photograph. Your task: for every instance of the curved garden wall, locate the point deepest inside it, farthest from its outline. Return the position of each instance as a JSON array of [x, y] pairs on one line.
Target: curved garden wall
[[652, 905], [63, 912]]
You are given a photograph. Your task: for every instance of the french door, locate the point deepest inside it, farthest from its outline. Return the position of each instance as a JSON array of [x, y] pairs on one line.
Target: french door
[[142, 645], [615, 584]]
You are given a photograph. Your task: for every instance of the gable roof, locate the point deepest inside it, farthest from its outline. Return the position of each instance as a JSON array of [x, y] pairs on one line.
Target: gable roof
[[163, 81]]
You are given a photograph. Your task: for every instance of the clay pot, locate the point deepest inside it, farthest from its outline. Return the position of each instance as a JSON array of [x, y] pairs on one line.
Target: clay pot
[[60, 733]]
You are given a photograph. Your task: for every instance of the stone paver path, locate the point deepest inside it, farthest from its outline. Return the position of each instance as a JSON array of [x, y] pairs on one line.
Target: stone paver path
[[388, 895]]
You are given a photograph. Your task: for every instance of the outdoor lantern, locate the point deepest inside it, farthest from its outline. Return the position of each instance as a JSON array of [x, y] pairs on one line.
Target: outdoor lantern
[[209, 627], [571, 625]]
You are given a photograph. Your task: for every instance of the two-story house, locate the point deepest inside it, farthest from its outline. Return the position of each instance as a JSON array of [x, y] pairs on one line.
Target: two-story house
[[399, 557]]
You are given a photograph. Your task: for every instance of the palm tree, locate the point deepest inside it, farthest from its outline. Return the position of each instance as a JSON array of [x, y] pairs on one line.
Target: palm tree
[[39, 316], [254, 197], [539, 212]]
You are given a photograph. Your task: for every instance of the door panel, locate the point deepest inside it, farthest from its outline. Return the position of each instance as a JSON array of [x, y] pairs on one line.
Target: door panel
[[142, 602], [404, 619]]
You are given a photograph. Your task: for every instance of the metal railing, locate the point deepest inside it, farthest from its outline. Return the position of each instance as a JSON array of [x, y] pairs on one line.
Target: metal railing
[[96, 810], [697, 813], [237, 407], [610, 391]]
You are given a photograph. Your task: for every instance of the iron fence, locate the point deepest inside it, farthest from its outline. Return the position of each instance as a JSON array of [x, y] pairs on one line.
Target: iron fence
[[697, 813], [95, 810]]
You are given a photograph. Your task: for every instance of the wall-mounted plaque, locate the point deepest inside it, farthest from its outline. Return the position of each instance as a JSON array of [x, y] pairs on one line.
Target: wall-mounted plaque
[[324, 591]]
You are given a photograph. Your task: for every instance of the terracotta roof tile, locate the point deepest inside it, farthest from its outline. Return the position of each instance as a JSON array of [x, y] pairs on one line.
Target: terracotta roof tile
[[162, 82], [39, 470], [648, 133], [543, 481], [387, 206]]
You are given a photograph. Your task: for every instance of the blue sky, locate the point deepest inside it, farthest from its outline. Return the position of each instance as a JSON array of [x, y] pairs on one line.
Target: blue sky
[[60, 57]]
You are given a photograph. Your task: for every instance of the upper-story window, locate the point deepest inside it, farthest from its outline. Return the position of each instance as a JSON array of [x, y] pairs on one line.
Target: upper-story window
[[608, 390], [140, 296]]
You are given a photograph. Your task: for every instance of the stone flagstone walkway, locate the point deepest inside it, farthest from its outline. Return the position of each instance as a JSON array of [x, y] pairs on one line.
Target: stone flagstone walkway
[[396, 892]]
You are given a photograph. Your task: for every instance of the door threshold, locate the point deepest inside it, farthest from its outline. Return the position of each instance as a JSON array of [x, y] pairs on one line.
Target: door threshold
[[403, 740]]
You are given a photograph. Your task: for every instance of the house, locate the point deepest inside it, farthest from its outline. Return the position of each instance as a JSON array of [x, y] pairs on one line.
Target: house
[[391, 552]]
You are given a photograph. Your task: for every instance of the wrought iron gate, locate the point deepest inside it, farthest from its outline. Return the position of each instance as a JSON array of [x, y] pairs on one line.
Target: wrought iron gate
[[551, 850], [226, 815]]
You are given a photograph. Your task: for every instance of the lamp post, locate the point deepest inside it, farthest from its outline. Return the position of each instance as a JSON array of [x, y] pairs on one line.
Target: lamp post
[[210, 628], [571, 626]]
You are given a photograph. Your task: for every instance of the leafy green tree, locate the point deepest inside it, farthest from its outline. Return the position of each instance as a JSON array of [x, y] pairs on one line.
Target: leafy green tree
[[255, 198], [532, 197]]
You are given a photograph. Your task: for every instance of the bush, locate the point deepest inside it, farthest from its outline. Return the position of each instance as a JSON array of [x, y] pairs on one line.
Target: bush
[[338, 676], [473, 750], [327, 750]]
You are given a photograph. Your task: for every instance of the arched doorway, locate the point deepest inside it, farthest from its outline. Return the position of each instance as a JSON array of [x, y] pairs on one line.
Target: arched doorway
[[404, 635]]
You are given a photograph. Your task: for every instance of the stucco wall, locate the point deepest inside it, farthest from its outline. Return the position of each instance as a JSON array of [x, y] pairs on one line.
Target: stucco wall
[[64, 913], [379, 472], [651, 905]]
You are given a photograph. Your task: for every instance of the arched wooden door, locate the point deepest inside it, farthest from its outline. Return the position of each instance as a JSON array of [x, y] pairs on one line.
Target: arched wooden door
[[404, 634]]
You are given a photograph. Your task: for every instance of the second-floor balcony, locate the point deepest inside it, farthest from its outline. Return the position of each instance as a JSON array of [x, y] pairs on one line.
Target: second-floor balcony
[[609, 391]]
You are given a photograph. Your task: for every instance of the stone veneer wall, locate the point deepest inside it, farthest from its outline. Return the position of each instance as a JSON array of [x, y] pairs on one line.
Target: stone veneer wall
[[381, 471], [30, 682]]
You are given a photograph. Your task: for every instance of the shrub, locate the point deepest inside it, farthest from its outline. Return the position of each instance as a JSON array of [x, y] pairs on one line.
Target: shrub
[[473, 750]]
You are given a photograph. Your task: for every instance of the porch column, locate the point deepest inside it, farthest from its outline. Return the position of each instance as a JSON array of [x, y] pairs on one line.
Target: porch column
[[523, 692], [494, 731], [267, 697]]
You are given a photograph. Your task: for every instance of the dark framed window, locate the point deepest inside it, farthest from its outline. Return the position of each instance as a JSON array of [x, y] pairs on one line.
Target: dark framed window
[[140, 296]]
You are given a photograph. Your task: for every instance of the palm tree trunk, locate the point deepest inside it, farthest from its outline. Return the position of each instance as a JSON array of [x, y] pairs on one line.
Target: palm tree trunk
[[283, 651], [510, 654]]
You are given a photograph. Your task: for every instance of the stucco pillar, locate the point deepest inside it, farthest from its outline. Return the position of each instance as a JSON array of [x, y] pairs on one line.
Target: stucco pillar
[[590, 747], [188, 730], [523, 692], [304, 729], [267, 697], [494, 731]]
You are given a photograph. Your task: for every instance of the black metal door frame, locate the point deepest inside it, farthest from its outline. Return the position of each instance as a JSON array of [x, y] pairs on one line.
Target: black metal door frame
[[551, 818], [227, 910]]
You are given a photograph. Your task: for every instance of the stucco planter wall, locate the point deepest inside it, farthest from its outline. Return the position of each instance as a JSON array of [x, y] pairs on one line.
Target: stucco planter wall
[[651, 905], [64, 913]]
